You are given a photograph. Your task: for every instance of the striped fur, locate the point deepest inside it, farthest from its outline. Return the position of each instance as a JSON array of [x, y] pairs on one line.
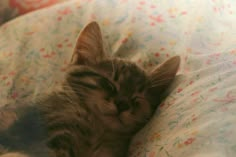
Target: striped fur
[[102, 103]]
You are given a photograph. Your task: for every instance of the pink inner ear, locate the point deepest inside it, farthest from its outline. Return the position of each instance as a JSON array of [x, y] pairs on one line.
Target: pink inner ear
[[163, 75], [89, 46]]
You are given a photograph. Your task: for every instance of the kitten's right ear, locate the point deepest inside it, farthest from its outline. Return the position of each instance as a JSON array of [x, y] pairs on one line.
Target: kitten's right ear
[[161, 78], [89, 45], [163, 74]]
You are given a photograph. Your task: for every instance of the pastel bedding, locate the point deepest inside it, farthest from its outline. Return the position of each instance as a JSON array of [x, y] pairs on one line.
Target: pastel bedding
[[198, 117]]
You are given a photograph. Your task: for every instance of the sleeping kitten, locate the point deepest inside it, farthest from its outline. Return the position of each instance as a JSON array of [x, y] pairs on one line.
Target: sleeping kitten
[[101, 104]]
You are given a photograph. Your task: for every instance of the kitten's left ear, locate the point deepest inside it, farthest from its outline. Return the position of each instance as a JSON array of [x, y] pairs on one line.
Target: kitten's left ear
[[162, 76], [89, 45]]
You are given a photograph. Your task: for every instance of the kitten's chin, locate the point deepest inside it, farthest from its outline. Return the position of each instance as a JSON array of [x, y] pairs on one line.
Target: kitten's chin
[[119, 123], [126, 119], [129, 122], [115, 121]]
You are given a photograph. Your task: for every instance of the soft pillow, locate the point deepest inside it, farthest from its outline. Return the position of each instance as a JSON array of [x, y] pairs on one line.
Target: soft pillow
[[196, 119]]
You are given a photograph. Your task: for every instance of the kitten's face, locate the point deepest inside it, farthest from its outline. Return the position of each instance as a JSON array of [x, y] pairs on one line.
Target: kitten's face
[[117, 91]]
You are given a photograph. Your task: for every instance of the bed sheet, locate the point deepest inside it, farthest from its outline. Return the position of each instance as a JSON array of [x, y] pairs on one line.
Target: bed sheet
[[198, 117]]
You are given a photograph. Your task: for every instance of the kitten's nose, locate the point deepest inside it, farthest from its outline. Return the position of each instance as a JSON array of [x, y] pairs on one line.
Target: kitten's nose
[[122, 104]]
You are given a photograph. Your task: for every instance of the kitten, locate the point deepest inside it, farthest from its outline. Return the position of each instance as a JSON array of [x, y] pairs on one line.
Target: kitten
[[102, 103]]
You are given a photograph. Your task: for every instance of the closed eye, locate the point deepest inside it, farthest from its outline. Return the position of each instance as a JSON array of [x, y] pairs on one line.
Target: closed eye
[[108, 86]]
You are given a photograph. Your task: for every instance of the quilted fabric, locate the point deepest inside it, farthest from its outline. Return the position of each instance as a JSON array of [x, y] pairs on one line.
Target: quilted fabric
[[197, 118]]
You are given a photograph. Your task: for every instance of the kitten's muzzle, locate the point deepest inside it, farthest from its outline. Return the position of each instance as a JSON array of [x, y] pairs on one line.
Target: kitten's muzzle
[[122, 104]]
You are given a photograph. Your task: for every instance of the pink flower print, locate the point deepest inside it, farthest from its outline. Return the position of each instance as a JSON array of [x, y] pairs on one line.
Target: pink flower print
[[224, 109], [189, 50], [69, 45], [152, 154], [234, 62], [8, 83], [46, 56], [42, 50], [152, 24], [142, 2], [59, 18], [50, 55], [168, 104], [59, 45], [158, 18], [25, 80], [124, 40], [195, 93], [162, 104], [179, 90], [162, 49], [65, 62], [194, 100], [30, 33], [194, 118], [8, 54], [215, 55], [139, 61], [53, 53], [157, 54], [183, 12], [65, 11], [186, 69], [150, 64], [4, 77], [63, 69], [152, 6], [155, 136], [12, 73], [138, 143], [133, 20], [189, 141], [191, 82], [233, 51], [229, 98], [65, 65], [212, 89], [216, 9], [208, 62], [139, 8], [14, 95], [93, 17]]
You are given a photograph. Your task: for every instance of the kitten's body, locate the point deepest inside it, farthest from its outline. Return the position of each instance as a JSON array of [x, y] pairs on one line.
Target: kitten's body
[[102, 103]]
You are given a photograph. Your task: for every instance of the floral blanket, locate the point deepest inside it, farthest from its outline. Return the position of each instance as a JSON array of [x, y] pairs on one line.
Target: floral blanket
[[198, 117]]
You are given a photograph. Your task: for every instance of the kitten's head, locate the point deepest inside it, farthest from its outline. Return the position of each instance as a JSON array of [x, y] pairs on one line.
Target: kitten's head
[[117, 91]]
